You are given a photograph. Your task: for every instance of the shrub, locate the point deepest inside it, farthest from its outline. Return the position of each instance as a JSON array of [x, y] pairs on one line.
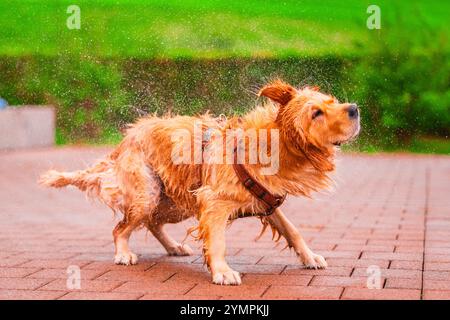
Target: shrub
[[403, 95], [88, 94]]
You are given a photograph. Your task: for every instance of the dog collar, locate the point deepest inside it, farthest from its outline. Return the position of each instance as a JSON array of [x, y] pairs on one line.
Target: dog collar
[[271, 201]]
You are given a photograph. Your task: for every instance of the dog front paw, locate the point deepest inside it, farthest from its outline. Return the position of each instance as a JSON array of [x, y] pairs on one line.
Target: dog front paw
[[180, 250], [125, 258], [229, 277], [313, 261]]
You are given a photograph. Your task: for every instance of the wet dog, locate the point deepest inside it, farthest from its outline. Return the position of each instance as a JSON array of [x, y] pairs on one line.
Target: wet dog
[[156, 176]]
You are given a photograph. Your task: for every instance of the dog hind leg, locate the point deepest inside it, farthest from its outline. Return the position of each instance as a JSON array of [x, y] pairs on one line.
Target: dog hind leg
[[168, 212], [172, 247], [141, 193], [121, 234]]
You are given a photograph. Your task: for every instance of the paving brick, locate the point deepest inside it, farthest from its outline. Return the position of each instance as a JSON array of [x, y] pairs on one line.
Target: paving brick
[[419, 236], [239, 259], [110, 266], [30, 295], [154, 287], [436, 295], [136, 276], [380, 294], [4, 255], [436, 275], [371, 236], [342, 262], [436, 284], [20, 283], [437, 244], [62, 274], [259, 269], [388, 273], [330, 271], [369, 248], [16, 272], [297, 280], [192, 277], [78, 250], [438, 266], [339, 241], [159, 296], [173, 259], [407, 249], [303, 293], [100, 296], [393, 256], [340, 254], [85, 285], [404, 243], [164, 268], [100, 256], [244, 291], [269, 252], [12, 262], [48, 255], [441, 258], [410, 265], [338, 281], [84, 244], [403, 283], [53, 263], [282, 260]]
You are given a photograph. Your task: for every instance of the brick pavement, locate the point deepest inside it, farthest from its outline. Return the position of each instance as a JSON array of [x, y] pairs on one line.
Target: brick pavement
[[391, 211]]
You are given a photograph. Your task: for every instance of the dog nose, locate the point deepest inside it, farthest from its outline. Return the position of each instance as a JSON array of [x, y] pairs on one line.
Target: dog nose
[[353, 111]]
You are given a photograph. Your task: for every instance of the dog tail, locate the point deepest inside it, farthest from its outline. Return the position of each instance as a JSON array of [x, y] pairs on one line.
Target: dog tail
[[82, 179]]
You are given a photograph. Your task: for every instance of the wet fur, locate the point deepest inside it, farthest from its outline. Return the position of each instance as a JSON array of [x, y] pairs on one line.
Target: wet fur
[[140, 180]]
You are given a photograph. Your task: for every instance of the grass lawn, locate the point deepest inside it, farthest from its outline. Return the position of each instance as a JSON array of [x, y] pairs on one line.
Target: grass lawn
[[214, 28]]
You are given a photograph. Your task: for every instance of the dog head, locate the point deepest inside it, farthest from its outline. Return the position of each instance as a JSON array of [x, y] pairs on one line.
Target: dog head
[[308, 117]]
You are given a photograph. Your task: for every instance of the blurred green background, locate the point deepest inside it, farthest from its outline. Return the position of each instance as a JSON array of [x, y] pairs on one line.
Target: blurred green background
[[135, 57]]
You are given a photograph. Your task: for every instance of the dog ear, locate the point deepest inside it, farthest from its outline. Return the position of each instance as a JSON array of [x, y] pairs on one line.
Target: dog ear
[[278, 91]]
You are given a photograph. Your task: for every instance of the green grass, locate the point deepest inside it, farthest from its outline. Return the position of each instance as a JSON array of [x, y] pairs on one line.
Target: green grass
[[214, 28]]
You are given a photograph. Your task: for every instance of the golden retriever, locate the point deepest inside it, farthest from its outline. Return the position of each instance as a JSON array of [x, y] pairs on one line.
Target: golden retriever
[[154, 177]]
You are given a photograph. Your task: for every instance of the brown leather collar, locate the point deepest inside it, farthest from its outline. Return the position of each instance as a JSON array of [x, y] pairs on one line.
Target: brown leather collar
[[270, 200]]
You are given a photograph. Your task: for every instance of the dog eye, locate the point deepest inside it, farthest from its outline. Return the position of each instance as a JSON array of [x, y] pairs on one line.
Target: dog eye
[[317, 113]]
